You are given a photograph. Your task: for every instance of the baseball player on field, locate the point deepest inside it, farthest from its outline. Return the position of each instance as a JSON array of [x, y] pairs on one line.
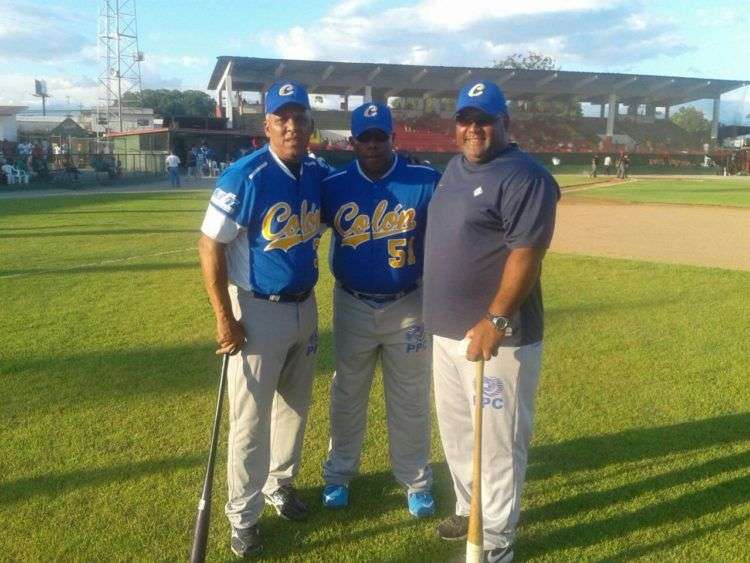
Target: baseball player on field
[[258, 255], [490, 222], [377, 208]]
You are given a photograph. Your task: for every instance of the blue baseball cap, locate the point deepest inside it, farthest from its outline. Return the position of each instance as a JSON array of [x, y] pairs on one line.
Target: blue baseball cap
[[484, 96], [286, 92], [371, 116]]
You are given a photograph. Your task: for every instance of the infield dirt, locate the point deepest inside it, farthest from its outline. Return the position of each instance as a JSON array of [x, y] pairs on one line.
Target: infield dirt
[[681, 234]]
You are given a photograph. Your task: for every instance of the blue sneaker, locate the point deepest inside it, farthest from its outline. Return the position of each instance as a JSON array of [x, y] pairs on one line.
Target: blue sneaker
[[335, 496], [421, 505]]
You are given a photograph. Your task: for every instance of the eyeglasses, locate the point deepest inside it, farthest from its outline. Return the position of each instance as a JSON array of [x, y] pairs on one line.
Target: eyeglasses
[[373, 135], [481, 119]]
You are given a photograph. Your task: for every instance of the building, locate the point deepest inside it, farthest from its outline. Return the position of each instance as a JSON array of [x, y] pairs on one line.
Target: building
[[144, 150], [54, 128], [622, 99], [132, 118], [9, 122]]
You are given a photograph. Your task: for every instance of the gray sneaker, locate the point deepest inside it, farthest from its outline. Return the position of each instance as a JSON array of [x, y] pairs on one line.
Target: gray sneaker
[[454, 528], [499, 555], [246, 542], [287, 503]]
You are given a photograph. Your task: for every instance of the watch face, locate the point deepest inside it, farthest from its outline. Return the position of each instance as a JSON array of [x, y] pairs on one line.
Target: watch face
[[501, 323]]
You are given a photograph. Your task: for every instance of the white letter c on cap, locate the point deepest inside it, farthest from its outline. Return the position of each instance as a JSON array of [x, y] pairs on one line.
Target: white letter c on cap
[[371, 111], [286, 90], [476, 90]]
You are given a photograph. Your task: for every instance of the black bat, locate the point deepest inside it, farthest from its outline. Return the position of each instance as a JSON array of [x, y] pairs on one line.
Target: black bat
[[203, 517]]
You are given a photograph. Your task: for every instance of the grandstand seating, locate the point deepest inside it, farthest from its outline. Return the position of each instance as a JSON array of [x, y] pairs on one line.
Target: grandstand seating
[[535, 133], [550, 134]]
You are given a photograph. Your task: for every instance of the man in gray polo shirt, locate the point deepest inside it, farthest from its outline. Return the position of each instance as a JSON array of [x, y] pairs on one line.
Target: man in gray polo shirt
[[489, 225]]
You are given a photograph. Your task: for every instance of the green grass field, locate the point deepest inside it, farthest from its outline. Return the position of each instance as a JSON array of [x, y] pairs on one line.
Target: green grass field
[[733, 192], [576, 180], [641, 449]]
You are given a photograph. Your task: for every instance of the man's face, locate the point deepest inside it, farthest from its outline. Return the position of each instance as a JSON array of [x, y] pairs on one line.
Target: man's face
[[373, 149], [479, 135], [288, 130]]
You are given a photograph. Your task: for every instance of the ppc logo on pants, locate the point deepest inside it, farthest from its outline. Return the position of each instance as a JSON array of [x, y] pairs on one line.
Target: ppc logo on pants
[[492, 393], [415, 339], [312, 343]]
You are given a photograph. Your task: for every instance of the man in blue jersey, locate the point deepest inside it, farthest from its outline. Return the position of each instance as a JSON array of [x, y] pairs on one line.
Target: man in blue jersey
[[490, 223], [377, 207], [258, 255]]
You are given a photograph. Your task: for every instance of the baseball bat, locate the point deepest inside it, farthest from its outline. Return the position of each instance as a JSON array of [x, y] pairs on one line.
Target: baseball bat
[[203, 517], [475, 535]]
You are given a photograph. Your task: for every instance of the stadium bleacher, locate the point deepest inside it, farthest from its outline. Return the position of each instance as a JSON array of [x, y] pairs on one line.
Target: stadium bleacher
[[536, 133], [552, 134]]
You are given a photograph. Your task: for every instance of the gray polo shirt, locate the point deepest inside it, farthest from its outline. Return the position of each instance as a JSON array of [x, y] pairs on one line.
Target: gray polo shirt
[[478, 214]]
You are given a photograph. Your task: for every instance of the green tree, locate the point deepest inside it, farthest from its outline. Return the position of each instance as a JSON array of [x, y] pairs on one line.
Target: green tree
[[169, 103], [533, 60], [530, 61], [691, 120]]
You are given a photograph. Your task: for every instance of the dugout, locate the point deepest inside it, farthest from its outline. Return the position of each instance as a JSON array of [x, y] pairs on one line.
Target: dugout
[[144, 150]]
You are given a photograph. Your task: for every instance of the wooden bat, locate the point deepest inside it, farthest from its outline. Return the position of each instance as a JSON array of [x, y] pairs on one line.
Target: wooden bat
[[203, 517], [475, 535]]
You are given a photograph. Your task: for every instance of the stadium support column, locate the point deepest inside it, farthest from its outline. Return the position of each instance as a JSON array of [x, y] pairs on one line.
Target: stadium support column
[[611, 113], [375, 95], [225, 84], [228, 101], [380, 95], [715, 121]]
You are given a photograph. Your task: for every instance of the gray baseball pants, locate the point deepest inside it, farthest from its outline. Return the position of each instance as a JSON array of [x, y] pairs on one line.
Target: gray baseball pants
[[510, 382], [395, 334], [269, 386]]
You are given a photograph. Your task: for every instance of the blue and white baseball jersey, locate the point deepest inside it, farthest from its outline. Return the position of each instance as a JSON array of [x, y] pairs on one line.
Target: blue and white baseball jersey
[[378, 227], [270, 222]]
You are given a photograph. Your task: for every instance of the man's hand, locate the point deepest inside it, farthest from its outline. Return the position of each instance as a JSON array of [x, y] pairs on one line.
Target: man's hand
[[230, 335], [484, 340]]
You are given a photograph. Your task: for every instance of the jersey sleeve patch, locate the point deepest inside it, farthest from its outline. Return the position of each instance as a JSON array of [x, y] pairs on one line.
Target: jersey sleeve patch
[[225, 201]]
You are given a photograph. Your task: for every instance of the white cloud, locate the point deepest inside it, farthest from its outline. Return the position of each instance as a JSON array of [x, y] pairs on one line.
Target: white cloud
[[476, 32], [452, 15], [297, 43], [167, 62], [17, 89], [34, 32]]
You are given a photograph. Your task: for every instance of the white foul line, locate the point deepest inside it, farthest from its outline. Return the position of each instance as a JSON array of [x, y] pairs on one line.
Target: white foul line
[[596, 185], [93, 264]]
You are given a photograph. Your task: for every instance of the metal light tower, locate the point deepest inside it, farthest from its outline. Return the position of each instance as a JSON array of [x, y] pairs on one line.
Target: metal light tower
[[120, 60]]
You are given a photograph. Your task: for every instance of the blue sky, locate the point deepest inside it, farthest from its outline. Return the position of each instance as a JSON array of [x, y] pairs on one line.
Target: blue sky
[[57, 40]]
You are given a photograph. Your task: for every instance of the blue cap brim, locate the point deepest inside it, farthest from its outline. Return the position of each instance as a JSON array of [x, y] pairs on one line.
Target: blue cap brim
[[277, 107]]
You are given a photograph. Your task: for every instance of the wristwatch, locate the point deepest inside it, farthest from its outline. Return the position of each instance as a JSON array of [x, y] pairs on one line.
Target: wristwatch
[[500, 322]]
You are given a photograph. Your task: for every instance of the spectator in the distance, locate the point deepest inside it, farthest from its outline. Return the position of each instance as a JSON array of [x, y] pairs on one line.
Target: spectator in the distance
[[173, 169]]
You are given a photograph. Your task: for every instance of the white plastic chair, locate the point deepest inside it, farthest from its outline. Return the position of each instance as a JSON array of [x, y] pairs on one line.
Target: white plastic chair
[[8, 171], [21, 176], [14, 175]]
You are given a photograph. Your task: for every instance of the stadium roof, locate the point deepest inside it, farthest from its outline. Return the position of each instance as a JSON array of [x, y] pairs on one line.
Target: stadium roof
[[11, 110], [329, 77]]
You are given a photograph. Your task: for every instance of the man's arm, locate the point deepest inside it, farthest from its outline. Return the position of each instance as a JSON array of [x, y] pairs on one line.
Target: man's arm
[[522, 270], [229, 332]]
